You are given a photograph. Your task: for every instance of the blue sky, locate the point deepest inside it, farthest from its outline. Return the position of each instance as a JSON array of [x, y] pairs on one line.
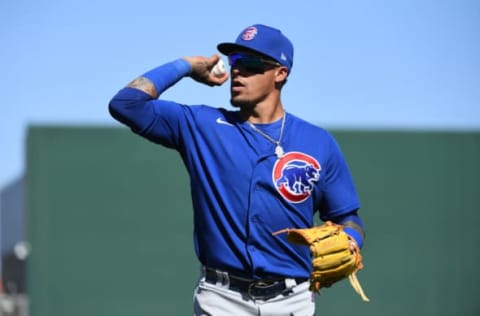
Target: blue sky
[[401, 64]]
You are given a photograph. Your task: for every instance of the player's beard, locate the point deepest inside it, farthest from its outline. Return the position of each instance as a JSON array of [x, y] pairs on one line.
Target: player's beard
[[246, 103], [242, 104]]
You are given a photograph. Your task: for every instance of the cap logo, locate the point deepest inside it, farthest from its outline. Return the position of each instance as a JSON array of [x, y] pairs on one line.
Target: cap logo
[[249, 33], [283, 57]]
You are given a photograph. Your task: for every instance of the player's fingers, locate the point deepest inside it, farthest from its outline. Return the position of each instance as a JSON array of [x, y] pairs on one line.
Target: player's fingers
[[212, 60], [218, 81]]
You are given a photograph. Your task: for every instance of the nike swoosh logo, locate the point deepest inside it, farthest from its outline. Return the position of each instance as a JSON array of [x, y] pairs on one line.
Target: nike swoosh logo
[[221, 121]]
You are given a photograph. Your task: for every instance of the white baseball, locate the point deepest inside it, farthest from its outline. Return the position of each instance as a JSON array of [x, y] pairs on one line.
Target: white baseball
[[219, 69]]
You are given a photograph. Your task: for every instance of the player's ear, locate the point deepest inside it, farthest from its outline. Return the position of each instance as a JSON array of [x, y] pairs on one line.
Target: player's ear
[[281, 74]]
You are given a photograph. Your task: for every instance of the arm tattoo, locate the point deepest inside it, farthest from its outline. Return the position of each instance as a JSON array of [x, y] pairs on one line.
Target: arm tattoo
[[145, 85]]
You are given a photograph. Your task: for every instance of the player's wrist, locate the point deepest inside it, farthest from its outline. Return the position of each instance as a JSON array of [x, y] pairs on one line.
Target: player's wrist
[[357, 237], [163, 76]]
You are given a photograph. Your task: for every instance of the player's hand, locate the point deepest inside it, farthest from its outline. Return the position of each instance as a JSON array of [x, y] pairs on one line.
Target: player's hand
[[202, 67]]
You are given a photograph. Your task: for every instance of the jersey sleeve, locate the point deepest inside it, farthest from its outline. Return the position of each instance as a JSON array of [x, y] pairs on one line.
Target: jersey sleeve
[[339, 192], [160, 121]]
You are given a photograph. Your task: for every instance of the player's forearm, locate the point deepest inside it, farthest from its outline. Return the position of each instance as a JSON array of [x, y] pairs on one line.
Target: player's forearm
[[159, 79], [133, 105]]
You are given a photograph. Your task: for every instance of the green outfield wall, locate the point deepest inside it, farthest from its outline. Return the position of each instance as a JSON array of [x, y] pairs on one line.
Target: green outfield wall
[[110, 224]]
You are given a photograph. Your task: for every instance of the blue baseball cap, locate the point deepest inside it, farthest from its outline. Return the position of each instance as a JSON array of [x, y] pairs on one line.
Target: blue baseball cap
[[265, 40]]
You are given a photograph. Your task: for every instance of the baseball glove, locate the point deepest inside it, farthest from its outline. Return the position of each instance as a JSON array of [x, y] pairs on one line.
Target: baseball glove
[[335, 255]]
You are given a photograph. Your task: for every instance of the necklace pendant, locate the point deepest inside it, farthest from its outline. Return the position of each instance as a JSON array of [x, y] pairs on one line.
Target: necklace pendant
[[279, 151]]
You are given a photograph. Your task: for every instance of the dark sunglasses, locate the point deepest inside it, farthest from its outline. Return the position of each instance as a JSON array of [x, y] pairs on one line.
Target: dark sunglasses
[[250, 63]]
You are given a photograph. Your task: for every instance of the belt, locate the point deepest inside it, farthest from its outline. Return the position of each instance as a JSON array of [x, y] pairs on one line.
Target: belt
[[255, 289]]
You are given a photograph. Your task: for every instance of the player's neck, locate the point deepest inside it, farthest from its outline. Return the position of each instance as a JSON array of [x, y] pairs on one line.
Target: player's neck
[[264, 113]]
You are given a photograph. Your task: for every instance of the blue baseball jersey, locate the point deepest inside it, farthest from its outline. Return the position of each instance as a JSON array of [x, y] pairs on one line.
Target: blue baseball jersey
[[241, 191]]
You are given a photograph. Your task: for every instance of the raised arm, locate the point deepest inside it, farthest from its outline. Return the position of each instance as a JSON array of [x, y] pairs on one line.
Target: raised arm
[[153, 83], [137, 106]]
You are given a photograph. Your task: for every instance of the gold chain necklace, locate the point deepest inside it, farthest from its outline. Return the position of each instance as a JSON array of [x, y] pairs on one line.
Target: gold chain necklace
[[278, 148]]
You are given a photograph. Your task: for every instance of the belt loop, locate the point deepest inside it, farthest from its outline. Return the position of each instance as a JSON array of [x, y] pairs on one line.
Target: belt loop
[[290, 282], [222, 278]]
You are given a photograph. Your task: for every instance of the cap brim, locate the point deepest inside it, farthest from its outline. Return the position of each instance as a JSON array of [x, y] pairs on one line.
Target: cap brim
[[228, 48]]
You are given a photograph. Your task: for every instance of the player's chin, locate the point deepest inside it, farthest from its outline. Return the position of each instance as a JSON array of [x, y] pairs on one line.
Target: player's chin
[[238, 102]]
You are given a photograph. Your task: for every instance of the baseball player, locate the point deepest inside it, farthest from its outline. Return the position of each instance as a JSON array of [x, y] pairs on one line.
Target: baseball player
[[254, 169]]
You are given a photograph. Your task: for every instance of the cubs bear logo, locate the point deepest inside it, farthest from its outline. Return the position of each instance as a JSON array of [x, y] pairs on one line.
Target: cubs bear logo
[[294, 175]]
